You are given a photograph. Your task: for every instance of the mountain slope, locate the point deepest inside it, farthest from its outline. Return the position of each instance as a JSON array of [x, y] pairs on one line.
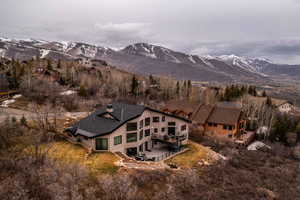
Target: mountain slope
[[145, 58]]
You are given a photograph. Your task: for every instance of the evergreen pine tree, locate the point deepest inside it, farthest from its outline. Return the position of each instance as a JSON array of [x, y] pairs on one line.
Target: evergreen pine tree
[[49, 65]]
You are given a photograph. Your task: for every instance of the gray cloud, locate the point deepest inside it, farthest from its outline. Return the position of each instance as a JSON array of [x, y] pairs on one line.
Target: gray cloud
[[253, 28]]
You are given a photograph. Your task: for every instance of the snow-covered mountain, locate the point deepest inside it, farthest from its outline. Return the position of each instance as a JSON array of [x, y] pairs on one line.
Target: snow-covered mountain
[[153, 59]]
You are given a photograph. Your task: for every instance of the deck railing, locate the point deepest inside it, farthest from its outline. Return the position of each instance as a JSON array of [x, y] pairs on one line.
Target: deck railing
[[168, 154], [169, 138]]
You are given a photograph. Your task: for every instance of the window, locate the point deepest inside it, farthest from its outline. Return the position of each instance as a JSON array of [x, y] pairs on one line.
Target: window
[[131, 137], [155, 130], [215, 125], [172, 123], [118, 140], [183, 127], [141, 123], [147, 132], [141, 134], [131, 126], [102, 144], [162, 129], [163, 118], [147, 121], [155, 119], [210, 124], [228, 127], [230, 136]]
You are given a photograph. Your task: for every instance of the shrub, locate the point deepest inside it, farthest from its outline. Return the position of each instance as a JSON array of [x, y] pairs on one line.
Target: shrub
[[23, 121]]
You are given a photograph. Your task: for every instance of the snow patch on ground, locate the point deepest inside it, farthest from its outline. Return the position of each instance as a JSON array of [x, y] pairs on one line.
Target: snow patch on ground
[[68, 92], [17, 96], [44, 52], [2, 52], [5, 39], [7, 102], [192, 59], [167, 52], [257, 145]]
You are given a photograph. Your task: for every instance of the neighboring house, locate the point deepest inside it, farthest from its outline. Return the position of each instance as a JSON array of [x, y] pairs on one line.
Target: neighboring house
[[130, 129], [222, 122], [283, 106], [180, 108], [82, 60]]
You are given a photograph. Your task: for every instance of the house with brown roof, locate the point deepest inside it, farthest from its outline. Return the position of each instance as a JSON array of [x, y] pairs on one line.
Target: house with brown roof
[[219, 121], [281, 105]]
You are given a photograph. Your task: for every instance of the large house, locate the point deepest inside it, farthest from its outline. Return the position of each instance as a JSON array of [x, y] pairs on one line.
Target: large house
[[129, 129]]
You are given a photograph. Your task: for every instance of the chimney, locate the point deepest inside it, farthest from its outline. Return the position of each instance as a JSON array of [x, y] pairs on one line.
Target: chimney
[[109, 108]]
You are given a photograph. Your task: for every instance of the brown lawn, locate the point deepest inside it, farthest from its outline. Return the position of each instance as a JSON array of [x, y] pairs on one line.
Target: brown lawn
[[191, 157], [97, 163]]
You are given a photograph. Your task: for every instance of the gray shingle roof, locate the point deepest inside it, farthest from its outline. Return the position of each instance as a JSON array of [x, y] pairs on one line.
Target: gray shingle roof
[[97, 124]]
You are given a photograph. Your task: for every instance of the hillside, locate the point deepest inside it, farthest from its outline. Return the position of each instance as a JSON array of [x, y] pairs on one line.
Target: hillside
[[148, 59]]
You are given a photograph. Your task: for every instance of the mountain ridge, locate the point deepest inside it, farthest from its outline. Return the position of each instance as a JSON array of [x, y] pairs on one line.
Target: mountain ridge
[[146, 58]]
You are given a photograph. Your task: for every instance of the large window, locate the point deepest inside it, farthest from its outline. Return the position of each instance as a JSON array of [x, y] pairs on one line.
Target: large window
[[131, 126], [155, 119], [118, 140], [147, 132], [172, 123], [156, 130], [147, 121], [141, 134], [102, 144], [183, 127], [131, 137], [141, 123]]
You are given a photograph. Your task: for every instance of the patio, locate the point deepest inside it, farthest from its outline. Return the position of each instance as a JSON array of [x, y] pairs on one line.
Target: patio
[[160, 152]]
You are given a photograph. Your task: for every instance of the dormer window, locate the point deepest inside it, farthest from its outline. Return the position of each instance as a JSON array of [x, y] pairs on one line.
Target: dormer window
[[108, 116]]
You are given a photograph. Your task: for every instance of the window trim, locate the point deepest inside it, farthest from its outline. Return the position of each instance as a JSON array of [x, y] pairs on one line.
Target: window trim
[[147, 124], [107, 143], [147, 131], [136, 125], [141, 134], [156, 119], [130, 141], [118, 142]]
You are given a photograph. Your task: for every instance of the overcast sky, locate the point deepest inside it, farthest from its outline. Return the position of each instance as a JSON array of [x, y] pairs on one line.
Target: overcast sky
[[260, 28]]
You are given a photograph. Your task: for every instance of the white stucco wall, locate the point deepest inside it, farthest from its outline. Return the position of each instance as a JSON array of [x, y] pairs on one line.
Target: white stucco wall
[[285, 108]]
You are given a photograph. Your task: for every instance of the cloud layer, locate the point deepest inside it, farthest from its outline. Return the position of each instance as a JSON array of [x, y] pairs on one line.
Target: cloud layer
[[264, 28]]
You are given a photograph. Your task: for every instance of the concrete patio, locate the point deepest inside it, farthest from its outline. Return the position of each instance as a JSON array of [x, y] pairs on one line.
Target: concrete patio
[[160, 152]]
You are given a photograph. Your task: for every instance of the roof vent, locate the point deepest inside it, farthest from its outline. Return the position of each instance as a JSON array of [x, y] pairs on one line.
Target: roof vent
[[109, 108]]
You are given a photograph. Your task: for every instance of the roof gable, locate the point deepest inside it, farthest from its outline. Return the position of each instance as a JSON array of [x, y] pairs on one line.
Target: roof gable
[[102, 122]]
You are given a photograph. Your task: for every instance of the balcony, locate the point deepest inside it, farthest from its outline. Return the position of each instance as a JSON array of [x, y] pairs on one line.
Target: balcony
[[172, 139]]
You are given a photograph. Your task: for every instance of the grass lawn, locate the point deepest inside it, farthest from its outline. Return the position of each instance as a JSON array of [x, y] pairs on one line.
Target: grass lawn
[[191, 157], [97, 163]]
